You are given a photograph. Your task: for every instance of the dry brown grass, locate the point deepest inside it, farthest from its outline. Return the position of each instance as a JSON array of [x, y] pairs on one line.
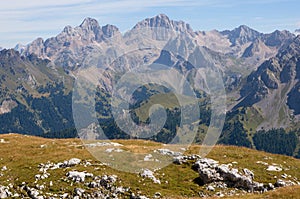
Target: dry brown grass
[[22, 154]]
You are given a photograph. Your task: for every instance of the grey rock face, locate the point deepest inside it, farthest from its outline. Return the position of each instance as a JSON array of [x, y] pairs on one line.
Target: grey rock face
[[278, 38], [210, 171], [163, 21], [272, 76], [69, 48], [242, 35]]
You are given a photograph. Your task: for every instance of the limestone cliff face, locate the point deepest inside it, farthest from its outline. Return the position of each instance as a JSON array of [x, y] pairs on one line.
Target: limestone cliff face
[[69, 47], [163, 21]]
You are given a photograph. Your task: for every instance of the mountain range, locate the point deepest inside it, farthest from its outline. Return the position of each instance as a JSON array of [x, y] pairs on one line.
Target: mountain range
[[260, 71]]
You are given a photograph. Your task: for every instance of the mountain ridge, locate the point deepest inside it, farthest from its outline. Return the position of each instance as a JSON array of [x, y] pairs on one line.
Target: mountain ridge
[[260, 73], [90, 33]]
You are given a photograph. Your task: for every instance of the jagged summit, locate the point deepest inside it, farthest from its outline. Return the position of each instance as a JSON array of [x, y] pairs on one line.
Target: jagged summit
[[277, 38], [163, 21], [68, 29], [89, 24], [110, 30], [69, 47], [160, 20], [241, 35], [8, 54]]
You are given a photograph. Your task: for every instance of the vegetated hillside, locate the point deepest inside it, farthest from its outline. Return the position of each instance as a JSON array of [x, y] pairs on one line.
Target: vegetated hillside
[[33, 166], [35, 96]]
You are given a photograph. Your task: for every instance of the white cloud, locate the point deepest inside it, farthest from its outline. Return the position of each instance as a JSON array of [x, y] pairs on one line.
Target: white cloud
[[21, 4]]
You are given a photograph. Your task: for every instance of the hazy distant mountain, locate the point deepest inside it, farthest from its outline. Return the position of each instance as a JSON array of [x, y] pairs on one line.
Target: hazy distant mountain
[[241, 35], [69, 48], [163, 21], [245, 42], [260, 73], [20, 48], [236, 52]]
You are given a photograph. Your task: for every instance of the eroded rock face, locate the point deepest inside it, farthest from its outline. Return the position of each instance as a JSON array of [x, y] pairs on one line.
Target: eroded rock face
[[278, 75], [69, 47], [210, 171], [7, 106]]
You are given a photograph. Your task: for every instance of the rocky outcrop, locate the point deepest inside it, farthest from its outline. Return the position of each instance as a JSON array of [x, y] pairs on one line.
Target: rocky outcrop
[[87, 185], [7, 106], [78, 176], [211, 172], [146, 173], [4, 192]]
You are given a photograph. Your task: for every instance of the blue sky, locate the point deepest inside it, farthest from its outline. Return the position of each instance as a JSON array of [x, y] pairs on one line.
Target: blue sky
[[23, 21]]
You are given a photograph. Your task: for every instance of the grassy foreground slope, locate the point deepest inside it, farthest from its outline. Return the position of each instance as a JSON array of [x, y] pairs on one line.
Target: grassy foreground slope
[[22, 154]]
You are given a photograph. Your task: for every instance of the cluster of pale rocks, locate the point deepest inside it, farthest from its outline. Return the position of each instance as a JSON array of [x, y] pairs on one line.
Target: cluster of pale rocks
[[212, 175], [105, 186]]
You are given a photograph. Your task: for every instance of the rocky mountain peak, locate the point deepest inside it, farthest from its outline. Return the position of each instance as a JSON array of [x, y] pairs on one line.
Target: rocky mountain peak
[[241, 35], [10, 57], [9, 53], [38, 41], [277, 38], [244, 28], [110, 30], [163, 21], [20, 48], [154, 22], [90, 24], [36, 47]]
